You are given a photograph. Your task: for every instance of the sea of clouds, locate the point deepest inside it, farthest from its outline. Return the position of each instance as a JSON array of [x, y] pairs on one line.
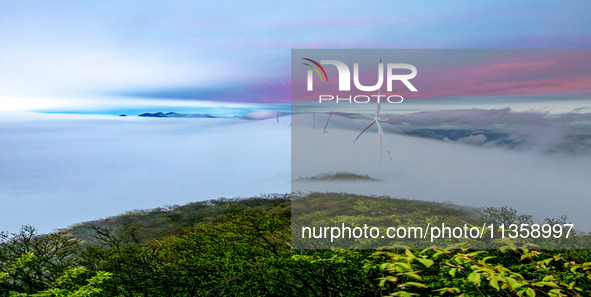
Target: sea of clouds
[[544, 173], [58, 170]]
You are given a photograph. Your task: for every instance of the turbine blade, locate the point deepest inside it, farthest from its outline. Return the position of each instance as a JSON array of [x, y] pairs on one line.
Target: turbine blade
[[364, 130]]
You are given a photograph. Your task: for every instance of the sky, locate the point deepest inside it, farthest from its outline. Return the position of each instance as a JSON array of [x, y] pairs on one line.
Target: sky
[[471, 73], [111, 57]]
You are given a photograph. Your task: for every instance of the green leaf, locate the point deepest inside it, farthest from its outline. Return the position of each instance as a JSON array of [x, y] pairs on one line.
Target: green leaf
[[549, 284], [404, 266], [514, 283], [426, 262], [528, 291], [473, 254], [415, 284], [528, 254], [452, 272], [409, 254], [474, 277], [494, 283], [413, 275], [404, 294], [547, 261]]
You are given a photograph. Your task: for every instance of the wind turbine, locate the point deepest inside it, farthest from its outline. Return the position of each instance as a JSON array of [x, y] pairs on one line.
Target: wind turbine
[[328, 120], [376, 120]]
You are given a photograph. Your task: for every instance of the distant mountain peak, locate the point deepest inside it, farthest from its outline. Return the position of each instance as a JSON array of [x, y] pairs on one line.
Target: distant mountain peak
[[175, 115]]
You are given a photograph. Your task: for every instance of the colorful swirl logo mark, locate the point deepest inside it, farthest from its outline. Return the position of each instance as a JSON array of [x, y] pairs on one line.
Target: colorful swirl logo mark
[[316, 69]]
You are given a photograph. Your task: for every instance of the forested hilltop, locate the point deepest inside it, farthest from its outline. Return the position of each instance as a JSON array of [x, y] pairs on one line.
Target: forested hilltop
[[242, 247]]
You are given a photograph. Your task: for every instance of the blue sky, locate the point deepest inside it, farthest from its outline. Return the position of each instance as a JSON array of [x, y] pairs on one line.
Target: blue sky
[[112, 56]]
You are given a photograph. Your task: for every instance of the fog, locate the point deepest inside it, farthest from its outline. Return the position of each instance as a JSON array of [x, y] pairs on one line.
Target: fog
[[530, 180], [58, 170]]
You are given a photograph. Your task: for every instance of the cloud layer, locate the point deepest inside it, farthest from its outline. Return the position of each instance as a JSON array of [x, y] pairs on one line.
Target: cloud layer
[[528, 179], [81, 50], [59, 170]]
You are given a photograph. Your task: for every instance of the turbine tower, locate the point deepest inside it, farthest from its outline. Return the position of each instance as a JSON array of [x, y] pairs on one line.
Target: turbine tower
[[330, 115]]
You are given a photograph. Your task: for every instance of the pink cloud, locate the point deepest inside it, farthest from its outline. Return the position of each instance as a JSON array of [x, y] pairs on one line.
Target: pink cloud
[[518, 72], [542, 73]]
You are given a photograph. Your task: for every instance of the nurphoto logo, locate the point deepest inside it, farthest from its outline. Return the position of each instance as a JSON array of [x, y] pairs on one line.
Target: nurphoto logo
[[344, 81]]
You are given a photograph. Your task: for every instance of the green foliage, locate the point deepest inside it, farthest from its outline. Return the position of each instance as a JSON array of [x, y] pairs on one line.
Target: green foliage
[[74, 283], [245, 252], [508, 271], [147, 225], [30, 262], [243, 247], [340, 176], [503, 215], [334, 209]]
